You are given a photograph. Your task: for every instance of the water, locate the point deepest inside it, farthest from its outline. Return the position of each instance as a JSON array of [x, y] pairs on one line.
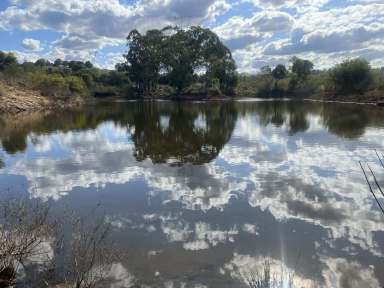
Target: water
[[204, 194]]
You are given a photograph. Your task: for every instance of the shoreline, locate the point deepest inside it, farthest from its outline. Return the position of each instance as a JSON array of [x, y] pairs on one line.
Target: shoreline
[[17, 100], [20, 100]]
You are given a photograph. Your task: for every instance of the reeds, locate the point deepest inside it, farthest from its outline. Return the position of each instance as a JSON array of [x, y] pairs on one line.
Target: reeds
[[374, 187]]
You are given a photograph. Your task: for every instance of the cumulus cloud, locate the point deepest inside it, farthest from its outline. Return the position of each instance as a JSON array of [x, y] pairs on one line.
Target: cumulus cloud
[[269, 33], [334, 31], [300, 6], [238, 32], [31, 44], [92, 25], [342, 273]]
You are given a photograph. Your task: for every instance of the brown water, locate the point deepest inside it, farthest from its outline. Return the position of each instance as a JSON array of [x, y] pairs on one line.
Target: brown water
[[201, 194]]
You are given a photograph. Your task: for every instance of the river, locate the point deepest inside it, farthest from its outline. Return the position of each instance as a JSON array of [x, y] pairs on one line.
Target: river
[[203, 194]]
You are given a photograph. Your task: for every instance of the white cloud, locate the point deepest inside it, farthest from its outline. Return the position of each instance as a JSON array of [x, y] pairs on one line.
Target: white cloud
[[238, 32], [31, 44], [343, 273], [270, 33], [92, 25], [300, 6]]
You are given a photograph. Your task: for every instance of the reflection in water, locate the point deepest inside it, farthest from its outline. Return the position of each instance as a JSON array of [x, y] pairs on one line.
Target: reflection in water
[[185, 134], [196, 193]]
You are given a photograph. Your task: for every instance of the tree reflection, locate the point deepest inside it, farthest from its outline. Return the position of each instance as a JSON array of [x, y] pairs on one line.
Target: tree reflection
[[179, 133], [292, 114], [15, 142], [185, 132], [347, 121]]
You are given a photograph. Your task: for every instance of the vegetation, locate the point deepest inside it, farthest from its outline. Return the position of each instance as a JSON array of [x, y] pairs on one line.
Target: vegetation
[[2, 90], [63, 78], [344, 81], [34, 251], [179, 58], [351, 76], [193, 62]]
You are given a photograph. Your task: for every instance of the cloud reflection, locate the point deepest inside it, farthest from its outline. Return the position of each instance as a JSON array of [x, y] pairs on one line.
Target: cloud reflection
[[295, 162]]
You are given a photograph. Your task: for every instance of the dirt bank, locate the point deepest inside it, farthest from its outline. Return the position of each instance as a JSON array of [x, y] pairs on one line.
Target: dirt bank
[[16, 99]]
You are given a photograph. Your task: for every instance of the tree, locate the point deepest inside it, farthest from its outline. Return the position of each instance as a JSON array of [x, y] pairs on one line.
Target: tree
[[266, 70], [301, 68], [179, 57], [280, 72], [144, 58], [351, 76], [88, 65], [42, 63], [58, 62], [7, 59]]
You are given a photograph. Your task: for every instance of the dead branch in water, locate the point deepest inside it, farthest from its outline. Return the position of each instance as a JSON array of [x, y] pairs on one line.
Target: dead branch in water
[[377, 184], [29, 235], [24, 230]]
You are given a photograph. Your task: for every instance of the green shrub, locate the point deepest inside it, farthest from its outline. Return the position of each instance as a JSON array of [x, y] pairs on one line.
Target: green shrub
[[7, 59], [351, 76], [12, 73], [379, 80], [2, 91], [48, 84], [76, 84], [55, 84]]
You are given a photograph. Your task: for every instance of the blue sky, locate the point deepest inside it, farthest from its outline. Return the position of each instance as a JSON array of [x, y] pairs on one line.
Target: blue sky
[[259, 32]]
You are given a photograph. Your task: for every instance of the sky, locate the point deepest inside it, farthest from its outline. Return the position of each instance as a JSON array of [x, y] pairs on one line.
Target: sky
[[258, 32]]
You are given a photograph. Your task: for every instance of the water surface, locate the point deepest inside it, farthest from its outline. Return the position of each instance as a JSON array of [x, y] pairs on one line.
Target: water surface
[[201, 194]]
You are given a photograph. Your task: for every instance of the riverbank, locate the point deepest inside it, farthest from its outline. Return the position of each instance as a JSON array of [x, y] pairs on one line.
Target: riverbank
[[370, 97], [18, 99]]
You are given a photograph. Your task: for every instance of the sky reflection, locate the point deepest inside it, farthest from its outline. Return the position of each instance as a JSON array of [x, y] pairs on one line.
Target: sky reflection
[[197, 193]]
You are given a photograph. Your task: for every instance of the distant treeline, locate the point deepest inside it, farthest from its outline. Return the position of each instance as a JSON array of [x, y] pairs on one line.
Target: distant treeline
[[353, 77], [63, 78], [193, 62]]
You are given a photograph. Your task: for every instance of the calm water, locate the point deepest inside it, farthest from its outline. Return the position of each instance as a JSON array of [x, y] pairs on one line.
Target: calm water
[[204, 193]]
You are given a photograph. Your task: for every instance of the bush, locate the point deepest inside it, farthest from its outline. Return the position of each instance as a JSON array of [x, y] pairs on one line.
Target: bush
[[351, 76], [2, 91], [48, 84], [57, 85], [7, 59], [76, 84], [379, 80], [12, 73]]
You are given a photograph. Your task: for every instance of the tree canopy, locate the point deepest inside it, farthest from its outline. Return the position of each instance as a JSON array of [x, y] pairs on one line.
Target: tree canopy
[[280, 72], [6, 59], [301, 68], [352, 76], [178, 57]]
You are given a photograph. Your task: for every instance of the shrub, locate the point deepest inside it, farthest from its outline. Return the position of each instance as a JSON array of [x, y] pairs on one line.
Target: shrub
[[2, 91], [12, 73], [7, 59], [49, 84], [57, 85], [76, 84], [379, 80], [351, 76]]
